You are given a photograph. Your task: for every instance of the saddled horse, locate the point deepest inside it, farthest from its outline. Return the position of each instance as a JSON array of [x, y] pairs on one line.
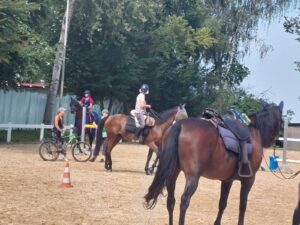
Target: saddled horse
[[296, 214], [90, 118], [116, 130], [150, 170], [195, 147]]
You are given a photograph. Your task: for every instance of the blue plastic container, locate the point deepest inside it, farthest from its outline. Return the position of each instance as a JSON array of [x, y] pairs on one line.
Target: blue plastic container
[[273, 165]]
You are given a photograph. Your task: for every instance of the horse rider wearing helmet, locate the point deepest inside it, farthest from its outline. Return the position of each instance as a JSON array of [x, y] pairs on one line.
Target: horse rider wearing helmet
[[87, 100], [140, 110]]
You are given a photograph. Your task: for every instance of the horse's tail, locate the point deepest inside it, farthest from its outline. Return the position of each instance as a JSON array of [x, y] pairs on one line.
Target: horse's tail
[[99, 138], [168, 164]]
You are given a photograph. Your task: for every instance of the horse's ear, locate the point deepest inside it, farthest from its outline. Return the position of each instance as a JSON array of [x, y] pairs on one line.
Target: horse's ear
[[182, 106], [281, 104]]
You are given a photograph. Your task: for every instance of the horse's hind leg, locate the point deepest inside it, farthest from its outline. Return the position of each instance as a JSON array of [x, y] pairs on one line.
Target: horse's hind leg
[[246, 185], [111, 143], [171, 195], [225, 189], [190, 188]]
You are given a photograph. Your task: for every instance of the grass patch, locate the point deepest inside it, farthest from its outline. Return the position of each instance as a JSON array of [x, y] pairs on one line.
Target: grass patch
[[24, 135]]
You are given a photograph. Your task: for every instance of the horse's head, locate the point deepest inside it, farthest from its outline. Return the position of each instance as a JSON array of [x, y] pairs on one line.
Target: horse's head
[[181, 113], [74, 105], [268, 122]]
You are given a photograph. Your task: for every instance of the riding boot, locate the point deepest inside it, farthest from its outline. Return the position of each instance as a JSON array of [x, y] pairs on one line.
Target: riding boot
[[244, 162], [137, 133]]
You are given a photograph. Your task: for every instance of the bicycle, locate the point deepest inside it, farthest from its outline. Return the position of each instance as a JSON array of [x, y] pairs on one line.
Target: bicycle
[[50, 151]]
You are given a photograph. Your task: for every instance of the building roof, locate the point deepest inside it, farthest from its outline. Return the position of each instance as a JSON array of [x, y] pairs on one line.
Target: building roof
[[32, 85]]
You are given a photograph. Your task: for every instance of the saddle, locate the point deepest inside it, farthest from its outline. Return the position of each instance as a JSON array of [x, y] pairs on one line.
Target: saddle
[[229, 122], [235, 134], [132, 123], [149, 121]]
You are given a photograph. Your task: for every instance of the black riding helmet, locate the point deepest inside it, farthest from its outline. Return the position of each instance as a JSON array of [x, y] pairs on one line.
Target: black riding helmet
[[144, 88], [87, 92]]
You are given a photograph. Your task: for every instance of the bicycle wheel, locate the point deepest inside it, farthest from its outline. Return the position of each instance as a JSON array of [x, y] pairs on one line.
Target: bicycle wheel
[[81, 151], [48, 151]]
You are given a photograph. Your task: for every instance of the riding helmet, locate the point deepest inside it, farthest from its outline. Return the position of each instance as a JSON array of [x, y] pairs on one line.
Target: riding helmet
[[87, 92], [144, 88]]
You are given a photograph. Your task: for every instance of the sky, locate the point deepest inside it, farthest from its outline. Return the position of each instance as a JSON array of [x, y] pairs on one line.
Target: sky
[[274, 77]]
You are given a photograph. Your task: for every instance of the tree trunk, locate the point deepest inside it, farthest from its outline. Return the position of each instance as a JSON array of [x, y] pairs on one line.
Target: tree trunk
[[110, 103], [52, 93]]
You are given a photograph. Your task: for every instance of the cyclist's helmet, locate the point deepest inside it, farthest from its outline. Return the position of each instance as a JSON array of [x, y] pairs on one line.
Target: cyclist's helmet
[[87, 92], [144, 88]]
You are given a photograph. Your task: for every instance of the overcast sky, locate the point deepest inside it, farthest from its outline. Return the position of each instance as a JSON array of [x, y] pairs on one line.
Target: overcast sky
[[275, 76]]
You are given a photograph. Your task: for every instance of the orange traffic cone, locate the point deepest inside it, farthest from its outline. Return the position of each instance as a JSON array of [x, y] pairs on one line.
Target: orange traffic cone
[[66, 177]]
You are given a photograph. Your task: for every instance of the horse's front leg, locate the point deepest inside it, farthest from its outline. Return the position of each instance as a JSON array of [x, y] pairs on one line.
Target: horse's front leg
[[155, 149], [225, 189], [246, 185], [153, 165], [150, 152]]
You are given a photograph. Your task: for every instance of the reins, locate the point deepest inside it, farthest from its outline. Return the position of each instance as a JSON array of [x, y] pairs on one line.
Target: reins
[[155, 114], [282, 177]]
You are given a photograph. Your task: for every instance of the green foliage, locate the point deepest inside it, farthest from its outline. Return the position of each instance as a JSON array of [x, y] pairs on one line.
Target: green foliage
[[188, 51], [24, 55], [292, 25]]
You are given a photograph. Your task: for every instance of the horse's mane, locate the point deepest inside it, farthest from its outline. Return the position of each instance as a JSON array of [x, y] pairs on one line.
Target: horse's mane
[[165, 115], [268, 123]]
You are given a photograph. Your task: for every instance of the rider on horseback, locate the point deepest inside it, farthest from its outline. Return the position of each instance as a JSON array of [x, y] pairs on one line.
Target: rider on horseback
[[87, 100], [140, 110]]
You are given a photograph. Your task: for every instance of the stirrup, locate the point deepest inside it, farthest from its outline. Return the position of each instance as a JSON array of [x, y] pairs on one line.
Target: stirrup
[[241, 167]]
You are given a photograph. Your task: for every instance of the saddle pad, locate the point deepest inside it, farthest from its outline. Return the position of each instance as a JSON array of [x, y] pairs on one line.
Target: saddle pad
[[131, 127], [231, 142]]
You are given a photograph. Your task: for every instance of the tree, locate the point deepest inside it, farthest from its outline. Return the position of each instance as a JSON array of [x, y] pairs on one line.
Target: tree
[[292, 25], [15, 36], [58, 64]]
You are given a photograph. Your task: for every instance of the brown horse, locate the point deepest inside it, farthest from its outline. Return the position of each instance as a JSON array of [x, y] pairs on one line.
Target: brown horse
[[195, 147], [296, 215], [115, 128]]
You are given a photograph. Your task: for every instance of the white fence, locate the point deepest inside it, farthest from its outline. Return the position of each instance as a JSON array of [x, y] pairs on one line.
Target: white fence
[[42, 127], [285, 140]]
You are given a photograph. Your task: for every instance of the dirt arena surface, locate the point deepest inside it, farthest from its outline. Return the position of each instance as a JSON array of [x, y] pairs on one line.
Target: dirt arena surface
[[29, 192]]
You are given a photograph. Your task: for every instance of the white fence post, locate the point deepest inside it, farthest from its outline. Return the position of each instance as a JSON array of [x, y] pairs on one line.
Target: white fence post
[[83, 123], [285, 136], [9, 129], [42, 131]]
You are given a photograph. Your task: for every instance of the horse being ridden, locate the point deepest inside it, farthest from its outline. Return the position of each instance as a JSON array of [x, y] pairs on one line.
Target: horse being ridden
[[195, 147], [150, 170], [90, 118], [116, 130]]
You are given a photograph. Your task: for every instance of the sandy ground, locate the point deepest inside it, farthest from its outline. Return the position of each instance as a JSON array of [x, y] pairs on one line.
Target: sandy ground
[[29, 192]]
